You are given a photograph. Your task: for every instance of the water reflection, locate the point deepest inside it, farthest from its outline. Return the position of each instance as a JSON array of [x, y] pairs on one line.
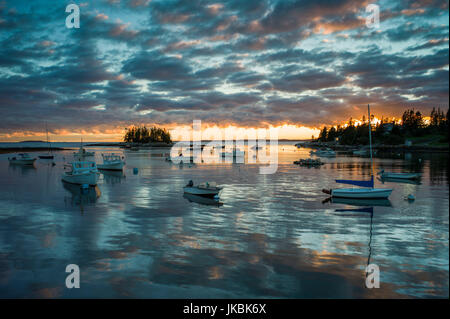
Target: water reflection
[[272, 237], [366, 211], [81, 196], [22, 169], [112, 177], [361, 202]]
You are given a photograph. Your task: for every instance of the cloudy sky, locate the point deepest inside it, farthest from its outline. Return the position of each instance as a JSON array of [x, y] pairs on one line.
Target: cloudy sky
[[263, 63]]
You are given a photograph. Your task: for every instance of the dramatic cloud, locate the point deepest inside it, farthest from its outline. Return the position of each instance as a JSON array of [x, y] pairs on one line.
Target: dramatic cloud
[[232, 62]]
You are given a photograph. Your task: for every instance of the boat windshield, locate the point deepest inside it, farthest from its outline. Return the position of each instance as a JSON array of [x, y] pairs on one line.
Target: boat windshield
[[81, 165], [111, 157]]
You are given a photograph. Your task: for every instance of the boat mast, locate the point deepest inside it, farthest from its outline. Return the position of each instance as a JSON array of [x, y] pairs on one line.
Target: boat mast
[[48, 142], [370, 139]]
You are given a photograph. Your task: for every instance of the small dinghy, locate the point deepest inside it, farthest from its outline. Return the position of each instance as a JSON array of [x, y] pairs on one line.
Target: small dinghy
[[202, 200], [82, 173], [22, 159], [384, 174], [205, 189], [112, 162]]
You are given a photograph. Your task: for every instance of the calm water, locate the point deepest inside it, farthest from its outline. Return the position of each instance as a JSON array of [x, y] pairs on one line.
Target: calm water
[[273, 237]]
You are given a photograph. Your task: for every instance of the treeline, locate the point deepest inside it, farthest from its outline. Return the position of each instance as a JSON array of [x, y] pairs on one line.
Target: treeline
[[142, 134], [389, 132]]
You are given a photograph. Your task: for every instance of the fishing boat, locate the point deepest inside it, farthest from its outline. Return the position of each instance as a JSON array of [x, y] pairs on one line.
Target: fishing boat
[[112, 162], [384, 174], [368, 191], [82, 173], [22, 159], [49, 154], [208, 189], [82, 152]]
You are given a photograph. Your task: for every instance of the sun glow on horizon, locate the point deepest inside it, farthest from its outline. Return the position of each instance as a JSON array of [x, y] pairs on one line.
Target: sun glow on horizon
[[178, 133]]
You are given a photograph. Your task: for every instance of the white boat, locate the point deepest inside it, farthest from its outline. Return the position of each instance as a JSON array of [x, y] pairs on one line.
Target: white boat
[[205, 189], [82, 173], [82, 152], [361, 193], [384, 174], [22, 159], [112, 162]]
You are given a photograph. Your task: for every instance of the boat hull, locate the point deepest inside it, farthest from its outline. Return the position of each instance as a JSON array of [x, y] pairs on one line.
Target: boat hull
[[202, 200], [46, 156], [371, 193], [111, 166], [400, 175], [22, 161], [205, 192], [90, 178]]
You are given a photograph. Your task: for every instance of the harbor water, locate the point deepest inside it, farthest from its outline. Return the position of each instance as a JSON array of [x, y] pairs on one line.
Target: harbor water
[[136, 235]]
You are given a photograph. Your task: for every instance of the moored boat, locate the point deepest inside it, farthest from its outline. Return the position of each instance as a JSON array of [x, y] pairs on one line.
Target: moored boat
[[113, 162], [208, 189], [82, 152], [392, 175], [82, 173], [361, 193], [22, 159]]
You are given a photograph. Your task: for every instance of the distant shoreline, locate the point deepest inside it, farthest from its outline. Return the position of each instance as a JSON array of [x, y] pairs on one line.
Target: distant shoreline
[[381, 147], [7, 150]]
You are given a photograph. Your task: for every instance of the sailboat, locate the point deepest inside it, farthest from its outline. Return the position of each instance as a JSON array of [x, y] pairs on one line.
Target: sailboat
[[369, 191], [49, 154]]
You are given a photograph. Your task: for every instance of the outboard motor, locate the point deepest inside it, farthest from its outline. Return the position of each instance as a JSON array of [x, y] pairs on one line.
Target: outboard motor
[[190, 184]]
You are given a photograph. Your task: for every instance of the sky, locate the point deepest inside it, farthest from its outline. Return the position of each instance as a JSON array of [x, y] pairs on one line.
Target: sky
[[294, 65]]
